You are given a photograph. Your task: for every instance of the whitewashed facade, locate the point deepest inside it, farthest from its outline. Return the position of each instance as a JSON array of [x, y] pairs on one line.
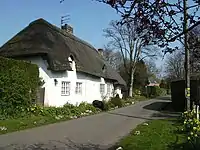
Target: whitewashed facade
[[72, 86]]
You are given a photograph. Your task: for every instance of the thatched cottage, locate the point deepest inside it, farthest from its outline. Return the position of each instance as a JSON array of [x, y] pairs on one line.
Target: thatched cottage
[[73, 71]]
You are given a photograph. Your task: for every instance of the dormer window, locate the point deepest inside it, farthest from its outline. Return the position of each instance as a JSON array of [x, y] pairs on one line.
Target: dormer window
[[72, 62], [104, 68]]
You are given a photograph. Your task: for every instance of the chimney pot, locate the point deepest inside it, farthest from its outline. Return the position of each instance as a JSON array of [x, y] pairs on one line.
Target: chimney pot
[[67, 28], [100, 51]]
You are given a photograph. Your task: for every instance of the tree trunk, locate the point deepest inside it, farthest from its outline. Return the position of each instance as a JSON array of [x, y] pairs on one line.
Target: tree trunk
[[187, 57], [132, 70]]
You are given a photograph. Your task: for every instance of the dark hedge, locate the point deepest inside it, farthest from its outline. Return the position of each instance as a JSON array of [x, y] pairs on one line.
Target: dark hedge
[[18, 83]]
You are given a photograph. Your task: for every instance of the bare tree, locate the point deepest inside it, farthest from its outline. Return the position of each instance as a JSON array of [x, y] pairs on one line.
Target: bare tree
[[152, 68], [174, 66], [194, 47], [113, 58], [131, 44]]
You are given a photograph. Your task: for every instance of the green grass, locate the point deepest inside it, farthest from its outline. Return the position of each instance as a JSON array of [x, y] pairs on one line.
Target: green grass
[[27, 122], [158, 135]]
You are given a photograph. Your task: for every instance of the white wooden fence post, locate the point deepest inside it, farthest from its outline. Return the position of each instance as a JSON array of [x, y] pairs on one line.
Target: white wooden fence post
[[197, 112]]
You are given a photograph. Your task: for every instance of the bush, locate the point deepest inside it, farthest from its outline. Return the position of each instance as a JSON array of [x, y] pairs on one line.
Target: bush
[[154, 91], [116, 101], [18, 82], [108, 105], [192, 128]]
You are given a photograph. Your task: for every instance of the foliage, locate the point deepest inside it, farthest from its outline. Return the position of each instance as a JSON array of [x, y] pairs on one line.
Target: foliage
[[136, 92], [154, 91], [117, 102], [154, 135], [192, 127], [36, 115], [19, 81]]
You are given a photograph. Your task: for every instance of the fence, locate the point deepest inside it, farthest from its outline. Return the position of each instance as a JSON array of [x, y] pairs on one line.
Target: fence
[[178, 93]]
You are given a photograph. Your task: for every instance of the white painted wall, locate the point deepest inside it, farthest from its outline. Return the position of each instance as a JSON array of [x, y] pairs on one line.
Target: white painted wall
[[90, 85]]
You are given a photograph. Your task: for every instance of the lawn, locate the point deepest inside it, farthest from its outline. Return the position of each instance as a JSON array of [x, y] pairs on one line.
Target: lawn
[[157, 135], [12, 125]]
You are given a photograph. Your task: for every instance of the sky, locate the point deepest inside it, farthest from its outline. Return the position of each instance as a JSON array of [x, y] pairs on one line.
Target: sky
[[88, 17]]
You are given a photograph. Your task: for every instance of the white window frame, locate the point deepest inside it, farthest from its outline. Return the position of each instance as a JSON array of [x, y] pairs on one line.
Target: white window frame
[[65, 88], [102, 89], [79, 87], [108, 89]]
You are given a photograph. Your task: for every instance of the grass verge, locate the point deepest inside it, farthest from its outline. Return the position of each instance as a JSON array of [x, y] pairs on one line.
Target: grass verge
[[12, 125], [157, 135]]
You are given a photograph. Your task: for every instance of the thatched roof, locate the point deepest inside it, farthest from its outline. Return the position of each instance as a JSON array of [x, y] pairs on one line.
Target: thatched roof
[[56, 45]]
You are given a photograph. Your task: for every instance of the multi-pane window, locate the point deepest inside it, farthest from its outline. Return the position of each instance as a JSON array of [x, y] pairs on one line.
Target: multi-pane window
[[65, 88], [78, 88], [108, 89], [102, 89]]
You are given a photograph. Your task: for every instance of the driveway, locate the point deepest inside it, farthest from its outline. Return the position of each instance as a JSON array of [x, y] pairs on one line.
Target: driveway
[[93, 132]]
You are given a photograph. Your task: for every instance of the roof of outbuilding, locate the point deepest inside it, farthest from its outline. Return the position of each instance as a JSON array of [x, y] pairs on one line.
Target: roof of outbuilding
[[42, 38]]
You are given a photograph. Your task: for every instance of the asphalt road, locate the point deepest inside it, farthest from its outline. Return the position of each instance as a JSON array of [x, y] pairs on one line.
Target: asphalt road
[[93, 132]]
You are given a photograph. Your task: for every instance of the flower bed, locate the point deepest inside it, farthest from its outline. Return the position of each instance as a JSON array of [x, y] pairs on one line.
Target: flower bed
[[38, 115]]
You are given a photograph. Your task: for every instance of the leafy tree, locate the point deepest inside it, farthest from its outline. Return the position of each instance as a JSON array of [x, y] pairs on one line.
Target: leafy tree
[[140, 75]]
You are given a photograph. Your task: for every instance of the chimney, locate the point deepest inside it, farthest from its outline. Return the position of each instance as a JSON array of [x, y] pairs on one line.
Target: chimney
[[100, 51], [67, 28]]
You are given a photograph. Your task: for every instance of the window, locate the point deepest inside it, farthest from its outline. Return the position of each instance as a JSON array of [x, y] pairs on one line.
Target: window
[[65, 88], [102, 89], [108, 89], [78, 88]]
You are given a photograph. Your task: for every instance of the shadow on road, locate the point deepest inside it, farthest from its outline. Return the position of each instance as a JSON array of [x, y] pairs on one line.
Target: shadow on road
[[58, 145], [164, 98], [156, 106], [131, 116], [163, 110]]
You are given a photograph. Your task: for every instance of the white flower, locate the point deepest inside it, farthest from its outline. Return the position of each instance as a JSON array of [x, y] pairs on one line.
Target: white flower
[[137, 132], [60, 116], [90, 111], [87, 111], [145, 124], [3, 128], [119, 148], [133, 102], [35, 122], [116, 107], [71, 117], [57, 118], [75, 117]]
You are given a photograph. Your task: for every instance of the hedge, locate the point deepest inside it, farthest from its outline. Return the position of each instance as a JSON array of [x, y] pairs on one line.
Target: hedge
[[18, 83]]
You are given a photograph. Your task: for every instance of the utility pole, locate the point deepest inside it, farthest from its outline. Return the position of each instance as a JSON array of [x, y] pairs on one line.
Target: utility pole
[[187, 56]]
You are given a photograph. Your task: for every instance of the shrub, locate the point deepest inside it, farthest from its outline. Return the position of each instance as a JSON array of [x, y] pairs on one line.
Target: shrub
[[18, 82], [108, 105], [153, 91], [192, 128], [116, 101], [85, 106], [98, 104]]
